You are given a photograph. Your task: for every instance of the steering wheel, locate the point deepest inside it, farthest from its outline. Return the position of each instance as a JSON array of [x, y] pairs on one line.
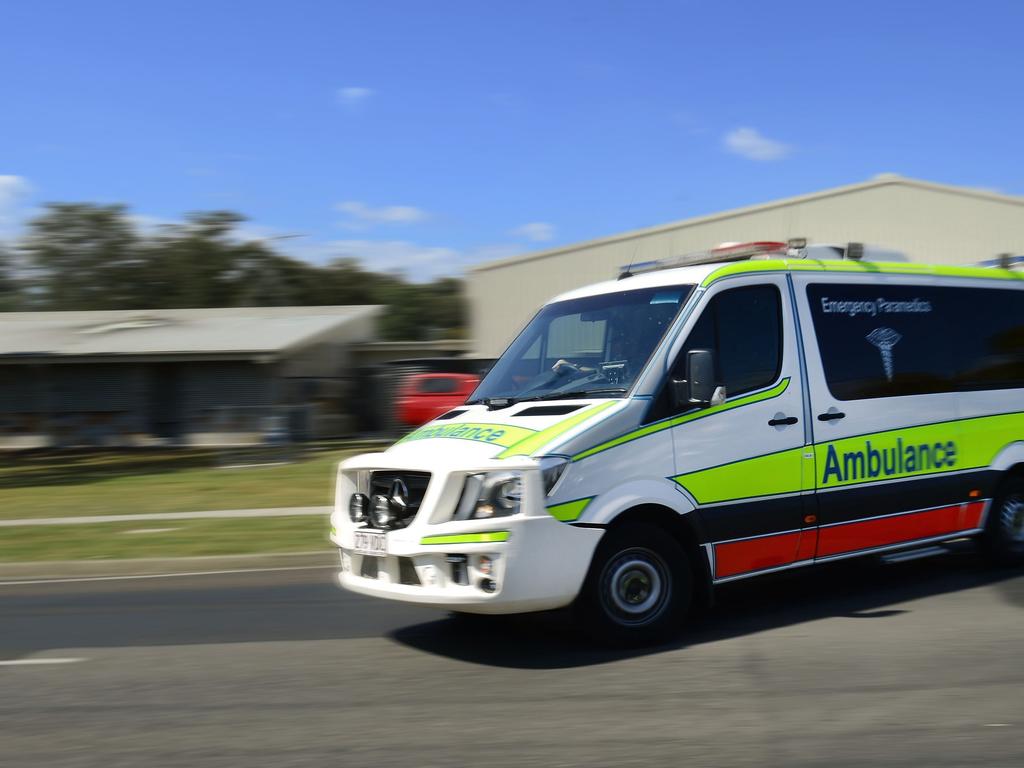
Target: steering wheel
[[560, 367], [588, 375]]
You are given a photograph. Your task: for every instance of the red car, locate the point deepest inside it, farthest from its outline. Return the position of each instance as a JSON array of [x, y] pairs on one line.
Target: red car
[[425, 396]]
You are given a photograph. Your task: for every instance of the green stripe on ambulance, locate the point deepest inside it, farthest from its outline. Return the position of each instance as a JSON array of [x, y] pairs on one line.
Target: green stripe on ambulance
[[947, 446], [467, 538], [532, 444], [570, 510], [862, 267], [768, 475], [494, 434], [950, 446], [659, 426]]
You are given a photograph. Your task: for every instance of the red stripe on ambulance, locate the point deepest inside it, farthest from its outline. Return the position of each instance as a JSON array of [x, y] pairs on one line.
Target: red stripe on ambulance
[[897, 529], [775, 551]]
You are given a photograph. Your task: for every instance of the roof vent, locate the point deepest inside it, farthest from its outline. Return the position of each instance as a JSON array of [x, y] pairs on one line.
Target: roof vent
[[548, 410], [451, 414], [127, 324]]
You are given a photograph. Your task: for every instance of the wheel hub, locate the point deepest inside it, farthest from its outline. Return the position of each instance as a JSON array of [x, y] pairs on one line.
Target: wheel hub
[[635, 586], [1012, 518]]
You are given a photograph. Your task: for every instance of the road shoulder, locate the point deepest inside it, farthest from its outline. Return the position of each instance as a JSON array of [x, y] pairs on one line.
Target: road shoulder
[[69, 569]]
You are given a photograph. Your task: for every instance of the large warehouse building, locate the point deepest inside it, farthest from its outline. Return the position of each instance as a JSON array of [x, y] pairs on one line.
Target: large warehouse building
[[927, 222], [178, 376], [212, 377]]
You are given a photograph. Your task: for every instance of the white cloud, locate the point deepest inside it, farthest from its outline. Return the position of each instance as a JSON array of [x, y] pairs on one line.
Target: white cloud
[[12, 189], [749, 143], [420, 262], [354, 95], [362, 216], [537, 231], [14, 192], [151, 225], [247, 231], [416, 261]]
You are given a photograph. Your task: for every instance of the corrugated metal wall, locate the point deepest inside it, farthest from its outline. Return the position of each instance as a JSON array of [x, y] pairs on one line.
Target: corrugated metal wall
[[165, 399], [927, 222]]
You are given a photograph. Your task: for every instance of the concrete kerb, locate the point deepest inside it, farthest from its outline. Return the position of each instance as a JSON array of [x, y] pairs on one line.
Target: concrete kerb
[[151, 516], [72, 569]]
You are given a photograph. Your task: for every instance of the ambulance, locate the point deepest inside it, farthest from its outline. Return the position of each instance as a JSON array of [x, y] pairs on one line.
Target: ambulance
[[703, 419]]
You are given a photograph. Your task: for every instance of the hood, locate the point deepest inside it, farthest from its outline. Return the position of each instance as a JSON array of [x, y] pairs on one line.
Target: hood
[[524, 429]]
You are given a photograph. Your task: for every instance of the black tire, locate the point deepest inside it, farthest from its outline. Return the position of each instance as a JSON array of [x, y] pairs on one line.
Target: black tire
[[1003, 538], [639, 587]]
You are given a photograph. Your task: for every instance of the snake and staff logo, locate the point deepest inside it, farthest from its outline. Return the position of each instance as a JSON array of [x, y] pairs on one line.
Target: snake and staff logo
[[885, 339]]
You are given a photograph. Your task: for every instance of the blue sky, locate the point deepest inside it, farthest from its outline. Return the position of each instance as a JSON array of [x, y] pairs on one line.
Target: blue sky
[[432, 135]]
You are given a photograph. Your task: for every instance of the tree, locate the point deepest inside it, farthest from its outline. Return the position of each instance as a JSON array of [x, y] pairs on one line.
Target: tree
[[199, 263], [446, 306], [10, 288], [87, 256]]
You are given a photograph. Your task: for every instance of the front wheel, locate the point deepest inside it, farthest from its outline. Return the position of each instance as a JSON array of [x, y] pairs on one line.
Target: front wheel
[[1004, 532], [638, 589]]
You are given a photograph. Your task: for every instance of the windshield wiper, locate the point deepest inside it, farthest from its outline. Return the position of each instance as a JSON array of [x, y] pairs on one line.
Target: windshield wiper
[[495, 403], [577, 393]]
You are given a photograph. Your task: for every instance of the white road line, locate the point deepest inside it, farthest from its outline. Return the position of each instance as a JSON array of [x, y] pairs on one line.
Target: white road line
[[33, 662], [167, 575], [148, 530], [149, 517]]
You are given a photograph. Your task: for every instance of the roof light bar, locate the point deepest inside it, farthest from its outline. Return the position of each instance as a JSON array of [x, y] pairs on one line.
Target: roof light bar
[[1004, 261], [723, 253]]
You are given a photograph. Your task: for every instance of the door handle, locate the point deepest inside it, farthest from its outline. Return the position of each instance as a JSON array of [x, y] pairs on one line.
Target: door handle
[[831, 416], [785, 420]]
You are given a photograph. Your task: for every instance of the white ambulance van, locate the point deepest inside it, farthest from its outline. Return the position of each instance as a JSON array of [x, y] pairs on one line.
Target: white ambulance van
[[711, 418]]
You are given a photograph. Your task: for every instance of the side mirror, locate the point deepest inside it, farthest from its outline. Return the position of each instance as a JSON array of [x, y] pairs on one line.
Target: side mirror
[[699, 388]]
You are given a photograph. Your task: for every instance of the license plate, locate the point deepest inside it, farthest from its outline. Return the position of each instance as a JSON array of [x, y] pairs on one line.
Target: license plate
[[371, 543]]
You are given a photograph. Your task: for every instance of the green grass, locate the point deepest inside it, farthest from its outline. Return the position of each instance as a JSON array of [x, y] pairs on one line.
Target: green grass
[[184, 538], [146, 482]]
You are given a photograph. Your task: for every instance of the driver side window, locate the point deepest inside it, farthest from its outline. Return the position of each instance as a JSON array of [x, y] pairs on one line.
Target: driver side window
[[743, 328]]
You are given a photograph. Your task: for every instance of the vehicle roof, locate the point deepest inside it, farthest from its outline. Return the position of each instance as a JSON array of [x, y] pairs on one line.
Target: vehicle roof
[[705, 274]]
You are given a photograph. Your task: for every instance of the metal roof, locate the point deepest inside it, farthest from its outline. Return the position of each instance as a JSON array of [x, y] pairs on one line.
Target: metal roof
[[881, 180], [236, 331]]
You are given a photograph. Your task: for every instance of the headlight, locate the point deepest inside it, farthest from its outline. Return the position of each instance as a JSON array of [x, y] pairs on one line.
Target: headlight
[[490, 494], [357, 507], [552, 469], [380, 511]]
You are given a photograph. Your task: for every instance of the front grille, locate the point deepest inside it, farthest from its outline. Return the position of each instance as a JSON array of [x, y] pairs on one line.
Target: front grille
[[370, 568], [405, 492], [407, 572]]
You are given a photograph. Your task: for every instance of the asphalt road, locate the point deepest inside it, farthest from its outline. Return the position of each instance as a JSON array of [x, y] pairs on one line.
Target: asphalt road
[[914, 664]]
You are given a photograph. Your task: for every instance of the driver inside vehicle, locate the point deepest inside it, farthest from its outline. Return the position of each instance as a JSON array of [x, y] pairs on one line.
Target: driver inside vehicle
[[584, 347]]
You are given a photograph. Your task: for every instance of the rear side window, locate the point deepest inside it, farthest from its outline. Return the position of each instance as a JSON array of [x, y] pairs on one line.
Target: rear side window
[[990, 333], [438, 386], [885, 340], [743, 326]]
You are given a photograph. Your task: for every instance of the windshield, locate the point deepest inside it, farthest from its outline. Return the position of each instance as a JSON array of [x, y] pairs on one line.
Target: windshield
[[596, 345]]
